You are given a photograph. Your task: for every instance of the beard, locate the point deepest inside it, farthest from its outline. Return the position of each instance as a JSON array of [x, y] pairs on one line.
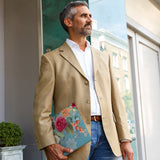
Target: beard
[[86, 31]]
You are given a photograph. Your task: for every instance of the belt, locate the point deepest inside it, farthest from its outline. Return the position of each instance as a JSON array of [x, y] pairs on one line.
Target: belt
[[96, 118]]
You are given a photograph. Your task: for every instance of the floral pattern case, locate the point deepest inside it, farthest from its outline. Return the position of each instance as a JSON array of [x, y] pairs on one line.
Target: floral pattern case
[[69, 128]]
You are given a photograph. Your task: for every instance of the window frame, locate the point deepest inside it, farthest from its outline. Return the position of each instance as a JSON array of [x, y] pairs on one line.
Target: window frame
[[132, 29]]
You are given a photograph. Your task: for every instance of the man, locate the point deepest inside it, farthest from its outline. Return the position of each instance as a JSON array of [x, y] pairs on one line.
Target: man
[[76, 72]]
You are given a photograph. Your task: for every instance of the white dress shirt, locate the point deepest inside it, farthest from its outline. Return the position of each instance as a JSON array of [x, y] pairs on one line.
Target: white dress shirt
[[85, 60]]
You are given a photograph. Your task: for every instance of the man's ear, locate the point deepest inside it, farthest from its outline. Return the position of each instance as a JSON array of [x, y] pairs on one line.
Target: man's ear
[[68, 22]]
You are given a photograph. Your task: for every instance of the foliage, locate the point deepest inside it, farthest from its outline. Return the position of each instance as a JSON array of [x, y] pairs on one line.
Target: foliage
[[10, 134], [128, 104], [127, 99]]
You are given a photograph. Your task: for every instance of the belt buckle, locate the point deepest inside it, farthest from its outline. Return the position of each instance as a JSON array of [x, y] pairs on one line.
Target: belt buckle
[[95, 118]]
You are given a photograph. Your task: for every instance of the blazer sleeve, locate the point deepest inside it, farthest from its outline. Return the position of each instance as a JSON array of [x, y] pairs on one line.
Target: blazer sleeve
[[43, 104], [118, 108]]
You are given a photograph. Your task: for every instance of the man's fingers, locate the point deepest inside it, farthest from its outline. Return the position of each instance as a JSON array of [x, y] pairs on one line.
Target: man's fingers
[[61, 156], [123, 156], [68, 150], [55, 152], [130, 156], [127, 151]]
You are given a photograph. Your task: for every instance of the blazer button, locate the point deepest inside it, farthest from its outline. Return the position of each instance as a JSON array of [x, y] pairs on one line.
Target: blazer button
[[86, 82], [88, 101], [88, 121]]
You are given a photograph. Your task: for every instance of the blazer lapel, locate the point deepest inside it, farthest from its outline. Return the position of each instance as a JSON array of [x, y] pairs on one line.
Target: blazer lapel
[[66, 52]]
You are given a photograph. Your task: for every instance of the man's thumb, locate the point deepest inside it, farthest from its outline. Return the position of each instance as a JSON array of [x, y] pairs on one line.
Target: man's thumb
[[68, 150]]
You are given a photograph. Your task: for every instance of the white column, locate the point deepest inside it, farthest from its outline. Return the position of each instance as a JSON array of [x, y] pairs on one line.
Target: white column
[[22, 68]]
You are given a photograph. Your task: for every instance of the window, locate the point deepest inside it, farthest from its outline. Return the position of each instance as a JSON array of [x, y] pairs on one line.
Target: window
[[125, 66], [115, 40], [115, 60], [126, 83], [118, 81], [102, 46], [145, 58]]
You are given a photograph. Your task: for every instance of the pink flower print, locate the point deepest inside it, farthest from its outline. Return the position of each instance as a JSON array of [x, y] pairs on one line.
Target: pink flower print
[[77, 122], [76, 127], [65, 112], [73, 124], [74, 105], [60, 124], [81, 130]]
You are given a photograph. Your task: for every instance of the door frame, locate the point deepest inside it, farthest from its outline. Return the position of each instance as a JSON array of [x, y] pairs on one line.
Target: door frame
[[137, 33]]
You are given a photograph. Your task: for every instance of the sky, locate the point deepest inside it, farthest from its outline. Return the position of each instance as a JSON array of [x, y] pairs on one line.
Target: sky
[[110, 15]]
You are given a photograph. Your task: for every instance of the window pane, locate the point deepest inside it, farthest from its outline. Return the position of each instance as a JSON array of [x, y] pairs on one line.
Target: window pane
[[110, 35]]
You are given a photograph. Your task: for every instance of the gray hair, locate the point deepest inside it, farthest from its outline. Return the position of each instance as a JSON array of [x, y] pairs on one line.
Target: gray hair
[[69, 12]]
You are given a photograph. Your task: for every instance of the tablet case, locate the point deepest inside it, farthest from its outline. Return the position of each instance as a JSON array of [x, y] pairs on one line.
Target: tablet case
[[69, 128]]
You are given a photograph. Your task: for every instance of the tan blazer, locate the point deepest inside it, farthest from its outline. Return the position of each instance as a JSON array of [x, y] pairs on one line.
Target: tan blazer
[[63, 80]]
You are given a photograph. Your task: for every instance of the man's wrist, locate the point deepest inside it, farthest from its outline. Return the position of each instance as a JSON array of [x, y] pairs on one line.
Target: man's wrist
[[48, 147], [125, 140]]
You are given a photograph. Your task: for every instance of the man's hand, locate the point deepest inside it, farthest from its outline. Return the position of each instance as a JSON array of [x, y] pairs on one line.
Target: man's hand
[[126, 150], [55, 152]]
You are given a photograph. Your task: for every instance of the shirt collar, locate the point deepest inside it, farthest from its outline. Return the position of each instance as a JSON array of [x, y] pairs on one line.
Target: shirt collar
[[73, 44]]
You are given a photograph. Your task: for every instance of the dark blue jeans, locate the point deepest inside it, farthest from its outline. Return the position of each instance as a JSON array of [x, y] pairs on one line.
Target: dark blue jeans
[[100, 148]]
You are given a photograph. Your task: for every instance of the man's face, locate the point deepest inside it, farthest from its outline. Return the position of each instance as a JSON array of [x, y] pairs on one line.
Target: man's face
[[82, 23]]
